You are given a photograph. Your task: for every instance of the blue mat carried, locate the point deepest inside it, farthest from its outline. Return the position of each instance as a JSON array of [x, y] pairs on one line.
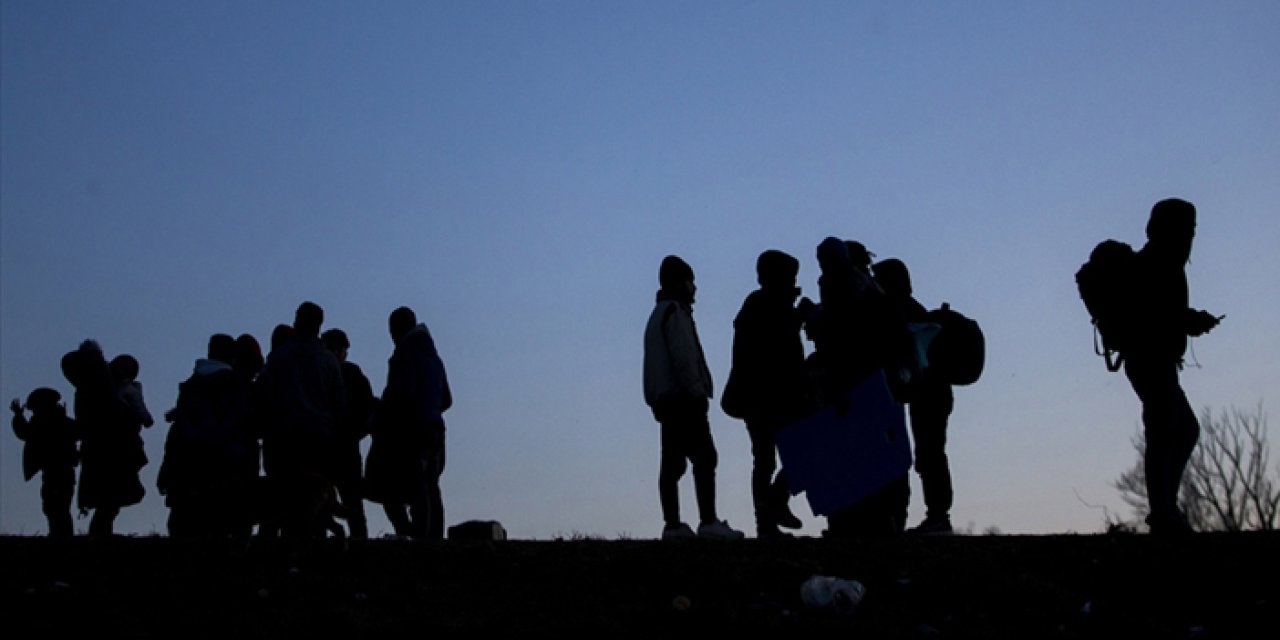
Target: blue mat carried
[[837, 460]]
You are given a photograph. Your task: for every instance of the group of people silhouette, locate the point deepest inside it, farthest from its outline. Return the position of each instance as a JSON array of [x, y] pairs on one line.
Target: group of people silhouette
[[274, 442], [868, 323], [862, 324], [271, 443]]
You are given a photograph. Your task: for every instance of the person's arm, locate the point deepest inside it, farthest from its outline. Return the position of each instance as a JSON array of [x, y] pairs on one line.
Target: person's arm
[[21, 427], [1199, 322], [685, 353]]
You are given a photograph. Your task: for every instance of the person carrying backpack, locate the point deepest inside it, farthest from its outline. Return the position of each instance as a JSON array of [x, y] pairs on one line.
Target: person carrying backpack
[[1153, 357], [930, 401]]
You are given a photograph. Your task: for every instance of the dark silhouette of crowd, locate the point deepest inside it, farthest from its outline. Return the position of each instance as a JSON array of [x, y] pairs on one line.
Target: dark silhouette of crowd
[[272, 444], [266, 446]]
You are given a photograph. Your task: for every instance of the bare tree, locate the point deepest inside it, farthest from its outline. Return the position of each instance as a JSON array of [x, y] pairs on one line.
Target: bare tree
[[1228, 484]]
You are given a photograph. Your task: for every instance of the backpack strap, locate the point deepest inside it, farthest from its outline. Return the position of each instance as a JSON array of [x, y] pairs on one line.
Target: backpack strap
[[1107, 354]]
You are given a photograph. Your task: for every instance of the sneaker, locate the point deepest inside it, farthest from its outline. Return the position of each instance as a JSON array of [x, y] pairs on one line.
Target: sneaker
[[772, 533], [933, 526], [718, 530], [678, 531], [786, 519], [1172, 525]]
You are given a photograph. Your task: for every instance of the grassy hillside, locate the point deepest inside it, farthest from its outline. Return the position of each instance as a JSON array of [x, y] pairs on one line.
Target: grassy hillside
[[1204, 586]]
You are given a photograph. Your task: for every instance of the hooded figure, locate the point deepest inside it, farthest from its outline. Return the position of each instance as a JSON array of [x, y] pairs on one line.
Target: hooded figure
[[210, 454], [1154, 359], [407, 456], [112, 452]]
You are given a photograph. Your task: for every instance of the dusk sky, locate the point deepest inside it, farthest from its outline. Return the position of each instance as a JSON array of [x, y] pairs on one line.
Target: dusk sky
[[515, 172]]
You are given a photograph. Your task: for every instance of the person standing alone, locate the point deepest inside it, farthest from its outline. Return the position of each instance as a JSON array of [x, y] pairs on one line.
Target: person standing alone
[[1153, 359], [677, 387]]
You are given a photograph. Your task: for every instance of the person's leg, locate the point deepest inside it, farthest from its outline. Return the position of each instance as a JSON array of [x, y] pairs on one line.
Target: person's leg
[[398, 515], [763, 465], [1170, 430], [671, 469], [434, 516], [929, 415], [704, 459], [56, 494], [103, 522], [353, 506]]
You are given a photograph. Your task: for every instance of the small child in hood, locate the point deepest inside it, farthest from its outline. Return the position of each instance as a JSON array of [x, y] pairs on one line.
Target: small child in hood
[[124, 372], [50, 437]]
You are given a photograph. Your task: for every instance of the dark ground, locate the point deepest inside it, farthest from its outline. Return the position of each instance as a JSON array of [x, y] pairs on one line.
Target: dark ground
[[1203, 586]]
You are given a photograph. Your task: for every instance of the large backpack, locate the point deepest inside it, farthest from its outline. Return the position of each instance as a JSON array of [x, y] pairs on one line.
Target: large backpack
[[1105, 283], [958, 352]]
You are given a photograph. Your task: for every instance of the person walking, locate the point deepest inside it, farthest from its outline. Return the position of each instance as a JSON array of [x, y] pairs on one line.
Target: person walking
[[1154, 357]]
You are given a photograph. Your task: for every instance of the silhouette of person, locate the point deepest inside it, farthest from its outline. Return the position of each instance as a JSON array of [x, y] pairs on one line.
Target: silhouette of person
[[1154, 358], [768, 377], [124, 373], [855, 336], [248, 360], [50, 450], [677, 388], [302, 403], [407, 456], [112, 452], [210, 460], [929, 403], [353, 428]]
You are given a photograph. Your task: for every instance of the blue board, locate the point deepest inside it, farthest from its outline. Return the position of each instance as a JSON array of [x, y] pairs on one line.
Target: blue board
[[837, 460]]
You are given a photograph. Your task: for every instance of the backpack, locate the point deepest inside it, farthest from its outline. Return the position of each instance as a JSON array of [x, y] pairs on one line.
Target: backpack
[[958, 352], [1105, 284]]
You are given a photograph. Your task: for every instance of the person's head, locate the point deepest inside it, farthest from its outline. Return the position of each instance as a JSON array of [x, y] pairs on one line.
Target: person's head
[[124, 368], [832, 254], [335, 340], [1172, 219], [859, 257], [675, 276], [307, 320], [248, 355], [892, 276], [775, 269], [1172, 226], [222, 348], [280, 335], [401, 322], [43, 400]]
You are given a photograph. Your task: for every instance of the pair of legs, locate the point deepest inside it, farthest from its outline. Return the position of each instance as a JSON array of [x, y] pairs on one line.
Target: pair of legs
[[1171, 431], [930, 411], [349, 490], [58, 488], [686, 439], [422, 517], [769, 493]]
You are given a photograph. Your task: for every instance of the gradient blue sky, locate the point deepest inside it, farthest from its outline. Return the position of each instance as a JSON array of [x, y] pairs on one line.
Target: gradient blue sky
[[515, 171]]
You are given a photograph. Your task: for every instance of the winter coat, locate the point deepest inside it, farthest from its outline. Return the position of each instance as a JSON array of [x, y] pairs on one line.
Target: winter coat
[[301, 399], [1161, 304], [209, 445], [417, 392], [112, 452], [768, 376], [675, 368], [50, 443]]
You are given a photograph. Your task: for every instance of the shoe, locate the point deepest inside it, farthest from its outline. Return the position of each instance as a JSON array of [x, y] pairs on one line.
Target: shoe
[[786, 519], [1172, 525], [718, 530], [772, 533], [933, 527], [678, 531]]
